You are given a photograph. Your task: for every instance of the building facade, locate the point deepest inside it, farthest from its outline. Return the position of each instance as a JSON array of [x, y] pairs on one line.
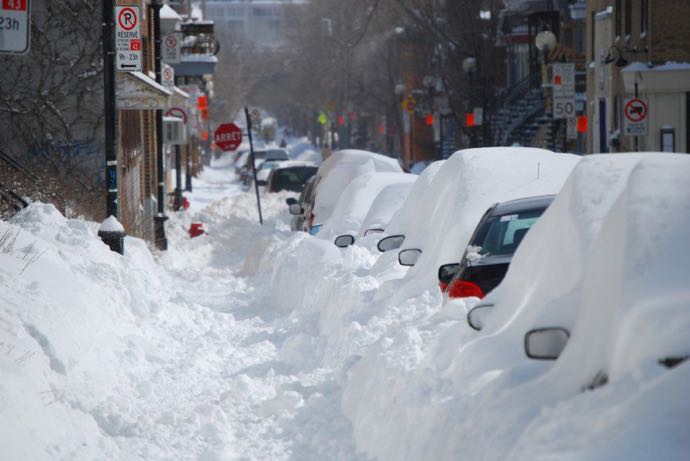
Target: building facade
[[638, 75]]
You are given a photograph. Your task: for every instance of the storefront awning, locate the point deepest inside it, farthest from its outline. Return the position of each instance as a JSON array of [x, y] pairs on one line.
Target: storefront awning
[[137, 91], [195, 65]]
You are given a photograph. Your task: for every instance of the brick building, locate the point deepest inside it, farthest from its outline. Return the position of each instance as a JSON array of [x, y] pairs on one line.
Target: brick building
[[638, 47]]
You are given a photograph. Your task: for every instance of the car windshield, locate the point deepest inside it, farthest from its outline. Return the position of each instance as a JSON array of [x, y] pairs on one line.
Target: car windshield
[[276, 154], [501, 234], [292, 178]]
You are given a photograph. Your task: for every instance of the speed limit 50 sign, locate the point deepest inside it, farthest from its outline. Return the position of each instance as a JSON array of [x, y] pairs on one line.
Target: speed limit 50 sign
[[563, 106]]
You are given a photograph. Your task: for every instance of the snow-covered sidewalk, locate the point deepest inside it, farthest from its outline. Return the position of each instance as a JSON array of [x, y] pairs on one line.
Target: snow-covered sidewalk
[[109, 357]]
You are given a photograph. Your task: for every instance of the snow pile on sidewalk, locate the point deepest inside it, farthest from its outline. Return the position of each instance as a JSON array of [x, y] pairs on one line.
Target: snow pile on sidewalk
[[70, 313]]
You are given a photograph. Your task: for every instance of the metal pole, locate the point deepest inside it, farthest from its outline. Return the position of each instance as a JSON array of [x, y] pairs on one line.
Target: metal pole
[[177, 204], [109, 109], [114, 239], [160, 218], [636, 145], [251, 150], [188, 151]]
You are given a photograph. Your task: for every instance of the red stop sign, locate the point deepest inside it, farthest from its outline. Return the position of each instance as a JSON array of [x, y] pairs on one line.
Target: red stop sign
[[228, 136]]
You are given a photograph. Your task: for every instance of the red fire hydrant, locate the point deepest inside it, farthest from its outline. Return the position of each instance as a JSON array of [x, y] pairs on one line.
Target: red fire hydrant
[[196, 229]]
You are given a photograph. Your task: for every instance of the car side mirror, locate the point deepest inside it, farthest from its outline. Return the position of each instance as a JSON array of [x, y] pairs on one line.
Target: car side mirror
[[392, 242], [447, 272], [546, 343], [409, 257], [477, 315], [344, 241], [290, 201], [296, 209], [372, 231]]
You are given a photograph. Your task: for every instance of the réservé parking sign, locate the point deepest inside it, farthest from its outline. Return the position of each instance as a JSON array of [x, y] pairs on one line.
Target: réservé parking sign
[[15, 30]]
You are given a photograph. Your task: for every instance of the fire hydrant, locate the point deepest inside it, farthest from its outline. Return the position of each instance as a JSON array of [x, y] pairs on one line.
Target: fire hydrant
[[196, 229]]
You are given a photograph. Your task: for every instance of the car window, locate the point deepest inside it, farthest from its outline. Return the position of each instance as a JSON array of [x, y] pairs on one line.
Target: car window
[[501, 235]]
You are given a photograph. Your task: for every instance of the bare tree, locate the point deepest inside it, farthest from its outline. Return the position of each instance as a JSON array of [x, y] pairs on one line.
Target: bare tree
[[51, 106]]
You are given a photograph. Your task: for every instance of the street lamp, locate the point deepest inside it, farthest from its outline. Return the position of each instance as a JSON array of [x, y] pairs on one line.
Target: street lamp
[[545, 41], [469, 65]]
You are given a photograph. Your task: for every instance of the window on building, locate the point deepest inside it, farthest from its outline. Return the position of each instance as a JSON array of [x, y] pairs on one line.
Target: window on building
[[668, 139], [644, 11], [618, 7], [628, 17]]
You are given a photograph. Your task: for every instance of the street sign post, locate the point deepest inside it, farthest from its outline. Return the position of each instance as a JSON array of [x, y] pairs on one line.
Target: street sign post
[[409, 104], [228, 136], [15, 26], [128, 39], [563, 84], [478, 113], [171, 49], [256, 117], [635, 122], [168, 77], [571, 131]]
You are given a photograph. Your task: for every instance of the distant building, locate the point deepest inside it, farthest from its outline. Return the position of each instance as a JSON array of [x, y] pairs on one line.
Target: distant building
[[259, 22], [638, 46]]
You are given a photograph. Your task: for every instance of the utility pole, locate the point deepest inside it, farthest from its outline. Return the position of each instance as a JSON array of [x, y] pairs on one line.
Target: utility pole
[[111, 231], [159, 220]]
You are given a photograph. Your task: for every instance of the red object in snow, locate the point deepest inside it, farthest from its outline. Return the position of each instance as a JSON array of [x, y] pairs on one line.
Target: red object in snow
[[185, 203], [469, 119], [196, 229]]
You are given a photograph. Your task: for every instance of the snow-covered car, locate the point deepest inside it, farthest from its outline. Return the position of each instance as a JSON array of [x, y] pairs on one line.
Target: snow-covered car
[[298, 207], [262, 172], [265, 155], [469, 182], [335, 173], [354, 203], [595, 299], [383, 208], [492, 245], [291, 175], [408, 215]]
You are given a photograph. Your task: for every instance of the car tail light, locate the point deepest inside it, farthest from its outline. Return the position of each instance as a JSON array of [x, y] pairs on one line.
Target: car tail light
[[464, 289]]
